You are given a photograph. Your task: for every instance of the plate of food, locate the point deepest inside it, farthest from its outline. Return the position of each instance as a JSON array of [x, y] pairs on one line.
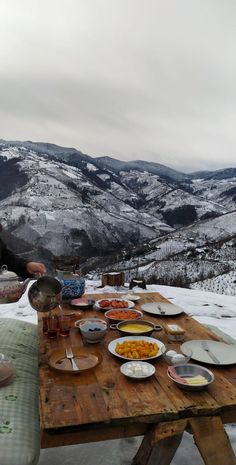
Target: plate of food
[[137, 370], [108, 304], [118, 314], [136, 348]]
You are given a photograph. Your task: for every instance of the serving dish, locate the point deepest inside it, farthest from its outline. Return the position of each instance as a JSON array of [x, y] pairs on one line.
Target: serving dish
[[137, 370], [117, 315], [180, 373], [214, 353], [108, 304], [177, 358], [136, 327], [162, 309], [112, 346], [83, 303], [57, 360]]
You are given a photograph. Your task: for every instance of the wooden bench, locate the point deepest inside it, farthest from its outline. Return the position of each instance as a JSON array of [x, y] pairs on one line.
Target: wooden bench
[[19, 415]]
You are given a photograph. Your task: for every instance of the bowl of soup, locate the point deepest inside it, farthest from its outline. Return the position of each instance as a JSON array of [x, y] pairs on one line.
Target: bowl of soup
[[138, 328]]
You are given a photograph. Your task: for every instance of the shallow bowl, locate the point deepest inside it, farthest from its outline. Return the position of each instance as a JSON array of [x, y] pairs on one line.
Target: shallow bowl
[[92, 329], [82, 303], [188, 371]]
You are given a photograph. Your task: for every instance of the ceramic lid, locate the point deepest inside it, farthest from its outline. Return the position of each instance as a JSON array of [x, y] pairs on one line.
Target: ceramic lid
[[6, 275]]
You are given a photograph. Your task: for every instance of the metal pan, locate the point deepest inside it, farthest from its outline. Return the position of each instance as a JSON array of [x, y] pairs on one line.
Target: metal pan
[[125, 327]]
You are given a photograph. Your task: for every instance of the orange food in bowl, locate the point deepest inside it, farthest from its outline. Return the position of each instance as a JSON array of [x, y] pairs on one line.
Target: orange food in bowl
[[137, 349]]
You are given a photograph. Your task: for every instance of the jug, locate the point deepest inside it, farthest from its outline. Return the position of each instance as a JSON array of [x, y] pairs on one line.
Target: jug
[[11, 286]]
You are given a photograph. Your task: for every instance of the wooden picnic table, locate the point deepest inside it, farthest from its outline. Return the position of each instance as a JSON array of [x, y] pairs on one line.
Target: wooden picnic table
[[103, 404]]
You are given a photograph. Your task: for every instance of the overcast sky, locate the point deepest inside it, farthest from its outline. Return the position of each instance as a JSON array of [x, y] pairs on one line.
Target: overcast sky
[[132, 79]]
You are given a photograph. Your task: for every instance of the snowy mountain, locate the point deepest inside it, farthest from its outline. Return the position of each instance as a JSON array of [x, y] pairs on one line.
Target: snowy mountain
[[60, 204]]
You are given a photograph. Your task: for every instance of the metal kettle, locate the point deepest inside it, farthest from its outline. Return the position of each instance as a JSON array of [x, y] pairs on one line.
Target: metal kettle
[[45, 294]]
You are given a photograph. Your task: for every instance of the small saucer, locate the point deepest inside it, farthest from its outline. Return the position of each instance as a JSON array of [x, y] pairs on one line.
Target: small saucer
[[132, 297]]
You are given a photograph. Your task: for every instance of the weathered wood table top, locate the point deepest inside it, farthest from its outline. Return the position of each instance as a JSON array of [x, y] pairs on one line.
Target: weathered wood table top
[[103, 404]]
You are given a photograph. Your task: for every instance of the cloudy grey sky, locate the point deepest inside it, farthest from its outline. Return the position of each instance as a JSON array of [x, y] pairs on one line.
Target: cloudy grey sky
[[132, 79]]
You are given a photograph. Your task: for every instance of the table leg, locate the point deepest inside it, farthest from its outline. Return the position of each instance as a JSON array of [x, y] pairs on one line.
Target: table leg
[[160, 444], [212, 441]]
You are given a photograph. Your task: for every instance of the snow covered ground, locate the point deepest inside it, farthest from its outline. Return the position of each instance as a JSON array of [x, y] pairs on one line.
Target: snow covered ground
[[222, 284], [207, 308]]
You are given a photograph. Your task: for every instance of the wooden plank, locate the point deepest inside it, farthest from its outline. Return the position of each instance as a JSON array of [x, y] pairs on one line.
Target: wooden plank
[[160, 444], [212, 441]]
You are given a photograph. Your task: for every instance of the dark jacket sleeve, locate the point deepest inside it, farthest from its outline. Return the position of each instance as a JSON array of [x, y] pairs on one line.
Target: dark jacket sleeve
[[13, 262]]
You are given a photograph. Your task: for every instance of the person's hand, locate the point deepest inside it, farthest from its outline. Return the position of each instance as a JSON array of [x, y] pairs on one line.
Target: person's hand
[[36, 269]]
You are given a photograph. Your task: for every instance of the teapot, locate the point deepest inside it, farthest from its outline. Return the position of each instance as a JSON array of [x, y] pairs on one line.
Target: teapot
[[11, 287], [45, 294]]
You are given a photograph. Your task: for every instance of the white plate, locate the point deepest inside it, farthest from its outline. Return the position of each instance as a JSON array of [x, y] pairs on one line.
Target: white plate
[[162, 309], [112, 346], [125, 370], [225, 353], [132, 297], [130, 304]]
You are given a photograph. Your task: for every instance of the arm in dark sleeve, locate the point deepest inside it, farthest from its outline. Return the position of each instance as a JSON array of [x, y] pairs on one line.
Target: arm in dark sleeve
[[14, 263]]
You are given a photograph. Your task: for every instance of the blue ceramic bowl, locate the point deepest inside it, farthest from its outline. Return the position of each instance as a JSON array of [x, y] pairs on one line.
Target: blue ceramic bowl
[[72, 288]]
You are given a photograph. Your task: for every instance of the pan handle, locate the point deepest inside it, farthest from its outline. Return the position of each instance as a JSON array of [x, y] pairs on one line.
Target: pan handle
[[113, 326], [157, 328]]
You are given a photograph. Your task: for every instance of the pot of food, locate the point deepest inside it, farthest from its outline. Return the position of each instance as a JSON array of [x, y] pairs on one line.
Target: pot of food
[[11, 286], [137, 328]]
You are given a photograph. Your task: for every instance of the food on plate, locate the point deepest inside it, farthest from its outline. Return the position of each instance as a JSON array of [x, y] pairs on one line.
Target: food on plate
[[175, 332], [137, 369], [171, 353], [178, 358], [137, 349], [136, 327], [199, 379], [113, 303], [122, 315]]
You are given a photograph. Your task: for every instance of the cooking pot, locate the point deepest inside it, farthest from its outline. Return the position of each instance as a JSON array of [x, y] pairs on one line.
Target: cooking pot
[[140, 327], [11, 286]]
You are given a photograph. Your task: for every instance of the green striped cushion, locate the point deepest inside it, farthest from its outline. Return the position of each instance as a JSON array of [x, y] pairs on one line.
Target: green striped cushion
[[19, 415]]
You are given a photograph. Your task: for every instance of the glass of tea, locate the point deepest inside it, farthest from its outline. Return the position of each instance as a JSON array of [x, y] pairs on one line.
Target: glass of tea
[[53, 327], [64, 325], [50, 326]]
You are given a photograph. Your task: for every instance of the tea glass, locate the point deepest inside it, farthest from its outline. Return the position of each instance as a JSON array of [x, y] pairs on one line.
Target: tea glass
[[50, 326], [64, 325]]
